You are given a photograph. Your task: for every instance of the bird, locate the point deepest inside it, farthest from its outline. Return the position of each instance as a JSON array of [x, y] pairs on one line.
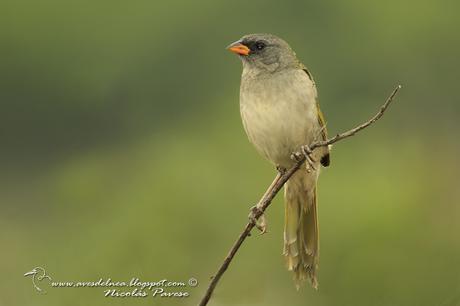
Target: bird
[[280, 113]]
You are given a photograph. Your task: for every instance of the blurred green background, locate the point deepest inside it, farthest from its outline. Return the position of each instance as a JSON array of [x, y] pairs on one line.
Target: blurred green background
[[123, 155]]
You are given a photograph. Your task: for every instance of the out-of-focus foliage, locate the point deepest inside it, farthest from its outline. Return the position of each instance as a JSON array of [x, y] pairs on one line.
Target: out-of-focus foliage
[[123, 155]]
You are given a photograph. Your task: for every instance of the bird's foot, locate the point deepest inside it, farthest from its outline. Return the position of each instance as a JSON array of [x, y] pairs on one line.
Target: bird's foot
[[307, 152], [258, 218], [295, 156]]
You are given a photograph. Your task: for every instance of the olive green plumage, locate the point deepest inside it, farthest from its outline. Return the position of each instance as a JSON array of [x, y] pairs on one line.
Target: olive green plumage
[[280, 113]]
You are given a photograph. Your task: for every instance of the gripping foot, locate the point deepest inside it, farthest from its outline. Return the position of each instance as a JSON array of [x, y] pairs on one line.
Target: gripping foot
[[260, 222]]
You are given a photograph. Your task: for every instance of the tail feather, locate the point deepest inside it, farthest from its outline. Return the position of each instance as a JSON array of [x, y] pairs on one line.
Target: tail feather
[[301, 235]]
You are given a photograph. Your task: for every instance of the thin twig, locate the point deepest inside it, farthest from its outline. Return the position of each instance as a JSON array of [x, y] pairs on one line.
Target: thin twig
[[276, 186]]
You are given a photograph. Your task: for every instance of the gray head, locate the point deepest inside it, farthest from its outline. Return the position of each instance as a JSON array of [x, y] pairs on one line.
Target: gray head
[[264, 52]]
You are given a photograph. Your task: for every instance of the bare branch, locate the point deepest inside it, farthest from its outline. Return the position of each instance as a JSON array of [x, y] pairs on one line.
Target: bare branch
[[276, 186]]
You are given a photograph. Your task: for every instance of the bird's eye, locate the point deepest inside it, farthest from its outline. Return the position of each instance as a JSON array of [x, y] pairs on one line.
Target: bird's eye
[[260, 45]]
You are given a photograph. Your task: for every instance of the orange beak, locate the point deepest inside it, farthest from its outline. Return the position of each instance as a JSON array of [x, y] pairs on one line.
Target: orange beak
[[238, 48]]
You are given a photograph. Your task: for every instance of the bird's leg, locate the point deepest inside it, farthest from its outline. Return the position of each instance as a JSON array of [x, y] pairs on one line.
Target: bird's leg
[[307, 152], [295, 156], [259, 222]]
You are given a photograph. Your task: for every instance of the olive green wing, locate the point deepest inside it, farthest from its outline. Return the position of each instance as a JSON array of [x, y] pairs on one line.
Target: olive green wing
[[326, 158]]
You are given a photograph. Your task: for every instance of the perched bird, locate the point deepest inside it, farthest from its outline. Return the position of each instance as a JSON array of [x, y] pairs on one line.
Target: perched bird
[[280, 114]]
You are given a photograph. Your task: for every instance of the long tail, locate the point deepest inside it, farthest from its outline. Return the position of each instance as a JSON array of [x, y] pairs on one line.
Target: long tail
[[301, 235]]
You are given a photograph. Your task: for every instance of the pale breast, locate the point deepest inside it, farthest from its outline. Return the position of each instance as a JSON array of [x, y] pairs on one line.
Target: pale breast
[[279, 113]]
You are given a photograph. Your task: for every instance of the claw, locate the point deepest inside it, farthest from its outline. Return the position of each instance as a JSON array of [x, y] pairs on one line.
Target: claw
[[295, 156], [310, 161], [261, 222]]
